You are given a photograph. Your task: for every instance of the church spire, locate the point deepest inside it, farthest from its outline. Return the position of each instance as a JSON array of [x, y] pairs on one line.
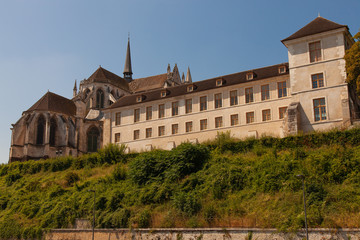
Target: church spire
[[188, 76], [127, 69], [75, 89]]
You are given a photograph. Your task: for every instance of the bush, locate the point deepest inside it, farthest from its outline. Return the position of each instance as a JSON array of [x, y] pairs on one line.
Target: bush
[[188, 203], [71, 178]]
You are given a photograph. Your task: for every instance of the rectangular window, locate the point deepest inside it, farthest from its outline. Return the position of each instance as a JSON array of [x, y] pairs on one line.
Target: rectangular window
[[149, 113], [234, 119], [161, 131], [266, 115], [250, 118], [117, 137], [137, 115], [233, 98], [203, 124], [148, 132], [218, 122], [117, 118], [174, 108], [218, 100], [188, 105], [265, 93], [249, 95], [175, 128], [315, 51], [203, 103], [319, 109], [317, 80], [282, 89], [161, 110], [136, 134], [188, 126], [282, 112]]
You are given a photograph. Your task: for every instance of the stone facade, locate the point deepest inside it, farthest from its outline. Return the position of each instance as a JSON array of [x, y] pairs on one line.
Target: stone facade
[[308, 93], [201, 234]]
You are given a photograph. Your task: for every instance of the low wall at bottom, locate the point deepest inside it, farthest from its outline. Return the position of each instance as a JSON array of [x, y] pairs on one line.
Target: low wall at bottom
[[201, 234]]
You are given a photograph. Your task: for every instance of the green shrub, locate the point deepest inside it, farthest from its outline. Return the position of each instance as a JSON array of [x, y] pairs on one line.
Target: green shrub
[[71, 178], [11, 178], [144, 219], [188, 203], [119, 173]]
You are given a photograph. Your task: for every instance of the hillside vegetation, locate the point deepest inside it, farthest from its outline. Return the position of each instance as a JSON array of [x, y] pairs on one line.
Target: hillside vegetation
[[222, 183]]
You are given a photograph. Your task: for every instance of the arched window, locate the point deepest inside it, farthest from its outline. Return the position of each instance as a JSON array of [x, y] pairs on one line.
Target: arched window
[[53, 128], [99, 99], [40, 130], [92, 139]]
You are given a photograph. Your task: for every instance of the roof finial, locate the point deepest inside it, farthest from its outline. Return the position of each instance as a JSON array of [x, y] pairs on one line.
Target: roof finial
[[318, 14], [127, 69], [128, 36], [188, 76]]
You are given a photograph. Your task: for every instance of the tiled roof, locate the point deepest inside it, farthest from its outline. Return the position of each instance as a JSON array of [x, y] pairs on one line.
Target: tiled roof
[[54, 103], [148, 83], [228, 80], [104, 76], [318, 25]]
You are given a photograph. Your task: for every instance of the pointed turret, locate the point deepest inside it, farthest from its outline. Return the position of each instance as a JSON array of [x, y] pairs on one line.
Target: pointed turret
[[188, 76], [127, 69], [183, 78], [75, 89], [168, 68]]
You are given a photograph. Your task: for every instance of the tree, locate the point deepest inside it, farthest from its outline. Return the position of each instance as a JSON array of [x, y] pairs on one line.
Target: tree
[[352, 58]]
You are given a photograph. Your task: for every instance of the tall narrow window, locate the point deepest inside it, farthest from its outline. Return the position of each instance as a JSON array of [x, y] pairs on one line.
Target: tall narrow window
[[266, 116], [99, 99], [250, 118], [188, 105], [161, 131], [218, 100], [234, 119], [40, 130], [175, 128], [315, 51], [265, 93], [149, 113], [174, 108], [117, 118], [218, 122], [188, 126], [282, 112], [136, 134], [53, 128], [137, 115], [203, 124], [92, 139], [148, 132], [233, 98], [249, 95], [319, 109], [161, 110], [282, 89], [117, 137], [317, 80], [203, 103]]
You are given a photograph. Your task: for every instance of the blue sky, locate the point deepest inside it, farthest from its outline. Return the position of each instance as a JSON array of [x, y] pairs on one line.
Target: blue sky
[[47, 44]]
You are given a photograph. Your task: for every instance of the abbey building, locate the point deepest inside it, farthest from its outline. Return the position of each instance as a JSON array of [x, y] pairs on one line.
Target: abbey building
[[308, 93]]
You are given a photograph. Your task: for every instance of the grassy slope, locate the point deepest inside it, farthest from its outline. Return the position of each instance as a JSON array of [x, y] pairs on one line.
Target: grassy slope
[[224, 183]]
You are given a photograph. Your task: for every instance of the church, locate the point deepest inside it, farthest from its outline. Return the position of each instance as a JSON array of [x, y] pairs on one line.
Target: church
[[307, 93]]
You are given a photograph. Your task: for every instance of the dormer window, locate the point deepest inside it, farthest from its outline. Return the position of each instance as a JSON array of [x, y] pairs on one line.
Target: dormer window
[[190, 88], [250, 76], [163, 94], [282, 69], [219, 82], [139, 99]]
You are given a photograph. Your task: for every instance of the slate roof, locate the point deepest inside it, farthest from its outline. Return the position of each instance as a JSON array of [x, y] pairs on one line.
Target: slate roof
[[54, 103], [148, 83], [228, 80], [318, 25], [104, 76]]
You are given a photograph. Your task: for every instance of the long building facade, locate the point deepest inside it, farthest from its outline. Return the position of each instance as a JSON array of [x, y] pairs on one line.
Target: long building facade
[[308, 93]]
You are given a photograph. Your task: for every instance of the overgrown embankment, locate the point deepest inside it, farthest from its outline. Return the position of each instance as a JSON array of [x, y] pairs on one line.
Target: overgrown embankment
[[223, 183]]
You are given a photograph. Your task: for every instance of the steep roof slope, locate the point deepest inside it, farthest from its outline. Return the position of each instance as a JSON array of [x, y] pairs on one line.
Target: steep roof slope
[[318, 25], [54, 103], [148, 83], [104, 76]]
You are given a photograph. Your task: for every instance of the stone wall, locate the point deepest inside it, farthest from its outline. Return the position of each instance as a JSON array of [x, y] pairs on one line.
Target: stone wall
[[200, 234]]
